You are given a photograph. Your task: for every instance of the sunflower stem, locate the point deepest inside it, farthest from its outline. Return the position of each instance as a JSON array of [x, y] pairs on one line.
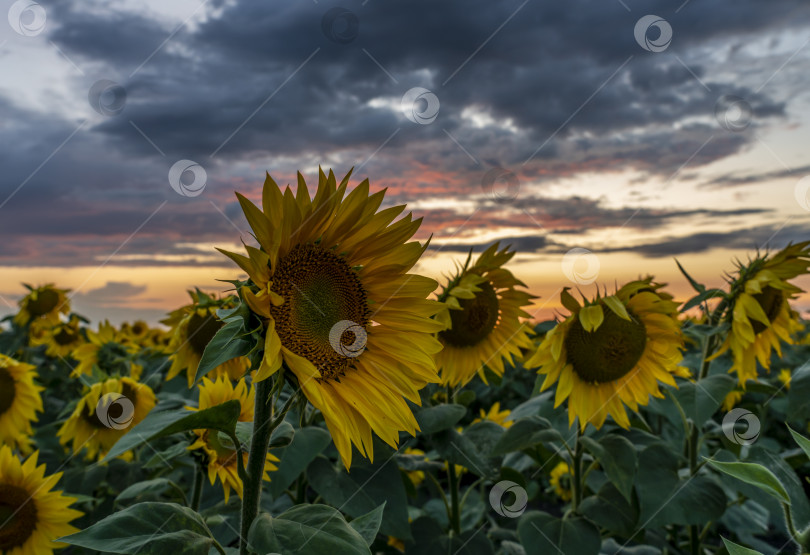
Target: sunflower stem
[[262, 429], [576, 470], [455, 509], [196, 492]]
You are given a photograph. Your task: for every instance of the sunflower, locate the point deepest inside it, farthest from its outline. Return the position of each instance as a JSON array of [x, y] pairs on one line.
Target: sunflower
[[31, 515], [62, 339], [137, 332], [560, 479], [495, 414], [330, 280], [415, 476], [193, 327], [105, 413], [222, 461], [481, 319], [109, 350], [761, 314], [611, 352], [45, 302], [19, 403], [731, 399]]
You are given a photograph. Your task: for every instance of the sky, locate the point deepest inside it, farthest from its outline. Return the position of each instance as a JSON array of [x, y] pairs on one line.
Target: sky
[[603, 139]]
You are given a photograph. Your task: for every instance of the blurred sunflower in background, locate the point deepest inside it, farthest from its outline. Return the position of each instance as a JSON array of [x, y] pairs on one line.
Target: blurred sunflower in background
[[481, 318], [61, 339], [45, 301], [222, 461], [109, 350], [105, 413], [330, 280], [560, 479], [137, 331], [19, 402], [611, 352], [32, 516], [193, 327], [761, 316], [415, 476], [495, 414]]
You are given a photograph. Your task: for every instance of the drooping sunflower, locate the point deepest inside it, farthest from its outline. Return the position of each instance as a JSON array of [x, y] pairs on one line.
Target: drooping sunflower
[[108, 350], [105, 413], [495, 414], [222, 461], [330, 280], [611, 352], [761, 314], [62, 339], [560, 479], [32, 516], [45, 301], [193, 327], [19, 402], [481, 319]]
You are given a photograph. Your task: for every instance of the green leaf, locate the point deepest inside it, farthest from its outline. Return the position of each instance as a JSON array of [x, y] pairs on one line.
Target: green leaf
[[429, 539], [147, 528], [369, 524], [440, 417], [526, 433], [227, 344], [704, 296], [799, 395], [701, 399], [803, 442], [306, 529], [754, 474], [609, 509], [160, 423], [460, 449], [734, 549], [282, 435], [305, 446], [147, 487], [699, 287], [542, 533], [617, 457]]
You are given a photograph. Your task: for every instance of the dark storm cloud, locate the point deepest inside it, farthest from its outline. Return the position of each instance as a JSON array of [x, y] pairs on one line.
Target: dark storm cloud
[[737, 180]]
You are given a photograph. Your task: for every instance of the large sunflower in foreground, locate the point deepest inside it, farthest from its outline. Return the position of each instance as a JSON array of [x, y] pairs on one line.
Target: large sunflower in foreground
[[61, 339], [19, 403], [481, 319], [331, 282], [105, 413], [45, 301], [31, 515], [109, 350], [222, 461], [611, 352], [761, 315], [193, 327]]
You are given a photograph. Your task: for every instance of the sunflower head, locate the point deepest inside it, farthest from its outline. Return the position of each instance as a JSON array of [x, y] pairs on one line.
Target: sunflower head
[[107, 351], [612, 352], [61, 339], [136, 332], [481, 318], [43, 302], [560, 479], [19, 402], [329, 282]]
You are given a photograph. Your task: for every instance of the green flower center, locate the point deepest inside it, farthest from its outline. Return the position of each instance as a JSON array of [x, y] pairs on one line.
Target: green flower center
[[18, 517], [46, 301], [609, 352], [322, 295], [476, 319], [7, 390], [201, 330], [770, 300]]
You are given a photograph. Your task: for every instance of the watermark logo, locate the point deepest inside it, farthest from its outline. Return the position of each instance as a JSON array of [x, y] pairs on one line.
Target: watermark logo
[[107, 97], [27, 18], [420, 105], [802, 192], [340, 25], [580, 266], [651, 26], [741, 435], [350, 330], [732, 113], [115, 411], [496, 499], [501, 184], [187, 178]]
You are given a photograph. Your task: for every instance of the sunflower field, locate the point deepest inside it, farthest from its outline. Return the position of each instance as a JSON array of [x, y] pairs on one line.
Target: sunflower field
[[333, 402]]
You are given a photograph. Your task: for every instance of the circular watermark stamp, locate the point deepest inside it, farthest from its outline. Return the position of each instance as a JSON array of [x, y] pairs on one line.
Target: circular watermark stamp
[[107, 97], [115, 411], [501, 184], [741, 434], [802, 192], [653, 33], [27, 18], [581, 266], [354, 333], [340, 25], [420, 105], [187, 178], [514, 509], [733, 113]]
